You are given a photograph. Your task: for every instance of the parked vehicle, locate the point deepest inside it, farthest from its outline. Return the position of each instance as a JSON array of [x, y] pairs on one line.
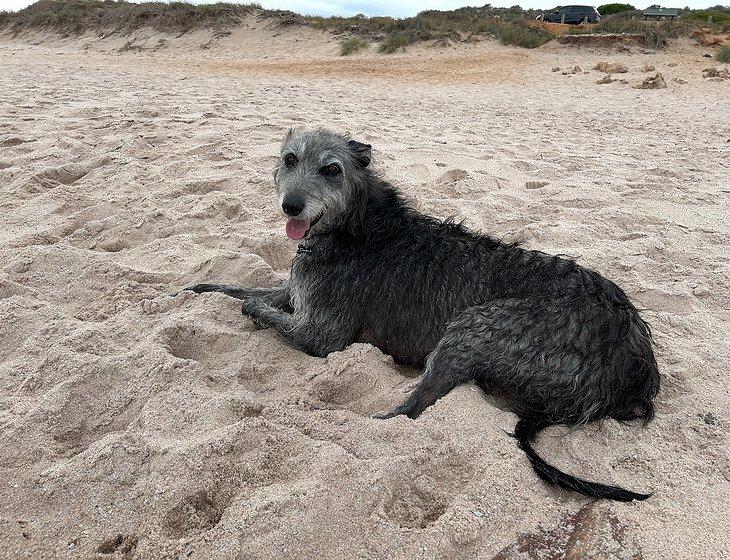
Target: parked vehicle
[[657, 12], [572, 14]]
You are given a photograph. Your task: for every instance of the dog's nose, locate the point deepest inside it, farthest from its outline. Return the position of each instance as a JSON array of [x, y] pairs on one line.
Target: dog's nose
[[293, 205]]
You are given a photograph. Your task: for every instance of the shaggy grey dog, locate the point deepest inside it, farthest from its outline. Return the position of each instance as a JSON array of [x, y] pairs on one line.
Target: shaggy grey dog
[[559, 343]]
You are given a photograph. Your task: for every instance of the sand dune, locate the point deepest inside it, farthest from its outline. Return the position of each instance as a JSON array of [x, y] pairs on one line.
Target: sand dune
[[138, 425]]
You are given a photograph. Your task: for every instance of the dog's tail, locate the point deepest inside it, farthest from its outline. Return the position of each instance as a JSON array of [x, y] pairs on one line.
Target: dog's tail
[[525, 432]]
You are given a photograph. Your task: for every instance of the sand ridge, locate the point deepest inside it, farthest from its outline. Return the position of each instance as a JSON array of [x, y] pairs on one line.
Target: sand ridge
[[138, 425]]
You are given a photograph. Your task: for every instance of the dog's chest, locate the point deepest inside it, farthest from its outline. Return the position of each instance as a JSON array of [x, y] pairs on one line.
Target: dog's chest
[[297, 291], [317, 276], [305, 271]]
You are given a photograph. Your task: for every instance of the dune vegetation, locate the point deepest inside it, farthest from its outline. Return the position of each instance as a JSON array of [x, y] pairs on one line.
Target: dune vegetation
[[79, 16], [657, 33], [723, 54], [352, 45], [508, 25]]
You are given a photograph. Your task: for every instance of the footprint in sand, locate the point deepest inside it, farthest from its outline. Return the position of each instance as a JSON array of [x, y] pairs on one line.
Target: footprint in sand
[[452, 176], [360, 379], [10, 141], [204, 185], [119, 544], [524, 165], [67, 174]]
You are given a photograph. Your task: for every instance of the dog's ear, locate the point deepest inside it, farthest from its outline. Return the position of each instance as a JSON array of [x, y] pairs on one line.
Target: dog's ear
[[363, 152]]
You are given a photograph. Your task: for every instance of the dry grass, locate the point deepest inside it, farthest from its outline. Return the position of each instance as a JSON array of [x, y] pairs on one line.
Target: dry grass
[[523, 36], [723, 54], [78, 16], [396, 41], [352, 45]]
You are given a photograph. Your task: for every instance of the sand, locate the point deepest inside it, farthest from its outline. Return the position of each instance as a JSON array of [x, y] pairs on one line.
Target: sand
[[138, 425]]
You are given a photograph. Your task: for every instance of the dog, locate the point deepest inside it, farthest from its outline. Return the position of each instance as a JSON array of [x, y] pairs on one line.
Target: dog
[[559, 343]]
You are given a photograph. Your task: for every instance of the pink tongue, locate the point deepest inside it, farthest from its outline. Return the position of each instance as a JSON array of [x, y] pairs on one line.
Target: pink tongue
[[296, 229]]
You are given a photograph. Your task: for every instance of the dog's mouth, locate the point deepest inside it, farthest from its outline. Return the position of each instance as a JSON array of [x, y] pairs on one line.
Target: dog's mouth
[[297, 229]]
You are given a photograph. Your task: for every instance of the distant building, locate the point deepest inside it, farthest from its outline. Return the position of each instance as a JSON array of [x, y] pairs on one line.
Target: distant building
[[657, 12]]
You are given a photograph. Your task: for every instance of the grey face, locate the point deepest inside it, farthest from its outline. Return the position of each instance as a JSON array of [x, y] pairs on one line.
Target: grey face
[[317, 175]]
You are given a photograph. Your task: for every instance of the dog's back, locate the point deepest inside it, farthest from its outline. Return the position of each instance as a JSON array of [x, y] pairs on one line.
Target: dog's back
[[413, 275]]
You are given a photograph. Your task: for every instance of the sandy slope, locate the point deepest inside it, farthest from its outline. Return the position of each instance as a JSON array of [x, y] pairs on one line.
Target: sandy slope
[[142, 426]]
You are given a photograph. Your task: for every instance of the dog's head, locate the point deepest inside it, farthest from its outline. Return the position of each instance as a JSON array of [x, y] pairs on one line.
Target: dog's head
[[318, 175]]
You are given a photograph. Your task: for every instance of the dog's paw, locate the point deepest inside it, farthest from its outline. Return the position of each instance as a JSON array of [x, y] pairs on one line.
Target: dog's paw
[[200, 288], [184, 290], [386, 415], [252, 308], [257, 325]]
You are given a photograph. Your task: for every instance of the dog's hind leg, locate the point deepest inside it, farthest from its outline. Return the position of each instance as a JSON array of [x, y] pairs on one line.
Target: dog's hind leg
[[470, 349], [489, 344], [279, 298], [450, 364]]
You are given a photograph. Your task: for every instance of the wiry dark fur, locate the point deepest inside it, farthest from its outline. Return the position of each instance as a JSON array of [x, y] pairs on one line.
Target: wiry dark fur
[[559, 342]]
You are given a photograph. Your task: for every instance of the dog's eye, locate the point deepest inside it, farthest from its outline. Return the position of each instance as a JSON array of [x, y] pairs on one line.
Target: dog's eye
[[290, 160], [331, 170]]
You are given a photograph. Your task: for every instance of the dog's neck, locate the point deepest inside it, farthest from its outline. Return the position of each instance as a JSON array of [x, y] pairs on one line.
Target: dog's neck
[[374, 208]]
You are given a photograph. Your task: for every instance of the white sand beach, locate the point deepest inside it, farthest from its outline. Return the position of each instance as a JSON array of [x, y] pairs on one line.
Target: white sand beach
[[138, 425]]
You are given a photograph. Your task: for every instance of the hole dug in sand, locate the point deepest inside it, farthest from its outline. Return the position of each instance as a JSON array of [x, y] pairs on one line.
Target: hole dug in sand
[[120, 544], [420, 487], [199, 343], [195, 513], [360, 378], [416, 504]]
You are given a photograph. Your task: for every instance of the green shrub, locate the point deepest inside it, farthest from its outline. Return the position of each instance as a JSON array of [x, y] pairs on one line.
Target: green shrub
[[396, 41], [655, 33], [77, 16], [610, 9], [718, 14], [523, 36], [723, 54], [490, 27], [617, 24], [352, 45]]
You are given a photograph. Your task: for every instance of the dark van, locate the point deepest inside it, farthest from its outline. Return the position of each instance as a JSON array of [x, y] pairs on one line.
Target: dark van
[[572, 14]]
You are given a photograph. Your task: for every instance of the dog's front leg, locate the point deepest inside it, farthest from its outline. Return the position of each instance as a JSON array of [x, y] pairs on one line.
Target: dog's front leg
[[278, 297], [300, 330]]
